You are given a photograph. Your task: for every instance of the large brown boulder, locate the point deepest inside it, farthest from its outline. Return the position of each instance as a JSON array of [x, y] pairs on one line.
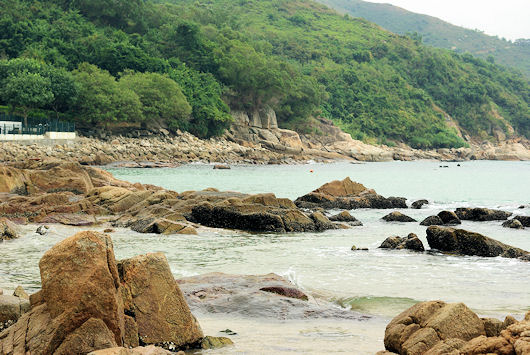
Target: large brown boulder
[[460, 241], [347, 194], [80, 281], [79, 308], [154, 299], [81, 305], [425, 324]]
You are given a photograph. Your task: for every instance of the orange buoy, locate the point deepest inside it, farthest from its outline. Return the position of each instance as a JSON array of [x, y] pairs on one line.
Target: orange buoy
[[311, 170]]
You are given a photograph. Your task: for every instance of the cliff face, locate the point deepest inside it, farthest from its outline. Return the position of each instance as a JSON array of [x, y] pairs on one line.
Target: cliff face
[[261, 126]]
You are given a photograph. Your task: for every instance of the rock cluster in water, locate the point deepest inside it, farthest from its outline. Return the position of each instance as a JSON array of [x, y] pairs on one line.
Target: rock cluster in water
[[89, 302], [72, 194], [347, 195], [436, 327]]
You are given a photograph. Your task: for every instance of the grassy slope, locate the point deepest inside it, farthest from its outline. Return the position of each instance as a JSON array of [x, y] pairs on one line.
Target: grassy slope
[[438, 33]]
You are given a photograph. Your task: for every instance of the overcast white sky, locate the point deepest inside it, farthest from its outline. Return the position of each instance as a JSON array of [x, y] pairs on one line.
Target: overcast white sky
[[506, 18]]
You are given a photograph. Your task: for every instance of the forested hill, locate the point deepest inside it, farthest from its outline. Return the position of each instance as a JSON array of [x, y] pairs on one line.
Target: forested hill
[[185, 64], [438, 33]]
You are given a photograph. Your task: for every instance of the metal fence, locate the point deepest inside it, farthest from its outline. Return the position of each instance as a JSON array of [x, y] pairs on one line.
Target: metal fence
[[12, 124]]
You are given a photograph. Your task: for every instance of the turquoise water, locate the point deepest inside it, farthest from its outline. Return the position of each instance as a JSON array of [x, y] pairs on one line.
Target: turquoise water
[[477, 182], [379, 283]]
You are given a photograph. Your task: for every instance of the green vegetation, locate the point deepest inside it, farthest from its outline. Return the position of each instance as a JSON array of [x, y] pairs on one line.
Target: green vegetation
[[438, 33], [182, 64]]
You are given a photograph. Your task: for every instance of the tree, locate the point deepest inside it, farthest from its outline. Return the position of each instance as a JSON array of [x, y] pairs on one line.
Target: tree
[[27, 90], [102, 100], [161, 98], [210, 114], [65, 89]]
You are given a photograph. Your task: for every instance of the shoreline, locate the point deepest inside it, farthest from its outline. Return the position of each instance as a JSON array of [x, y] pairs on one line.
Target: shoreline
[[184, 148]]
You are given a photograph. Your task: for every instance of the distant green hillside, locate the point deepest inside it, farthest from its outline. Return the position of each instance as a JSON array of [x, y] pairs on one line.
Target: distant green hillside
[[439, 33], [184, 64]]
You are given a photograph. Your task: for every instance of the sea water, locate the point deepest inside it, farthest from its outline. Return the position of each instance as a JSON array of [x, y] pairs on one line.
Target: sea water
[[378, 283]]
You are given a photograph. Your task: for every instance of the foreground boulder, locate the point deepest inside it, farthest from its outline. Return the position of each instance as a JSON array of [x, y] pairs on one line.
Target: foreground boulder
[[411, 242], [481, 214], [398, 217], [347, 195], [460, 241], [425, 324], [434, 328], [81, 305], [154, 300]]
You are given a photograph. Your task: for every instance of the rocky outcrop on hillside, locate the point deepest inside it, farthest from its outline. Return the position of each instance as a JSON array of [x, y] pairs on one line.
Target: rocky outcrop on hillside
[[460, 241], [436, 327], [88, 302], [347, 195]]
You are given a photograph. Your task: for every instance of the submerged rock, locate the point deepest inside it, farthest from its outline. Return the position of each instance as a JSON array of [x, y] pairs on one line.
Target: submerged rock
[[513, 223], [481, 214], [411, 242], [348, 195], [419, 204], [460, 241], [398, 217], [243, 295]]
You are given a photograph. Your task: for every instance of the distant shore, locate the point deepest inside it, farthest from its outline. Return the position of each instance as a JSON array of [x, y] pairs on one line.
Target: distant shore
[[183, 148]]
